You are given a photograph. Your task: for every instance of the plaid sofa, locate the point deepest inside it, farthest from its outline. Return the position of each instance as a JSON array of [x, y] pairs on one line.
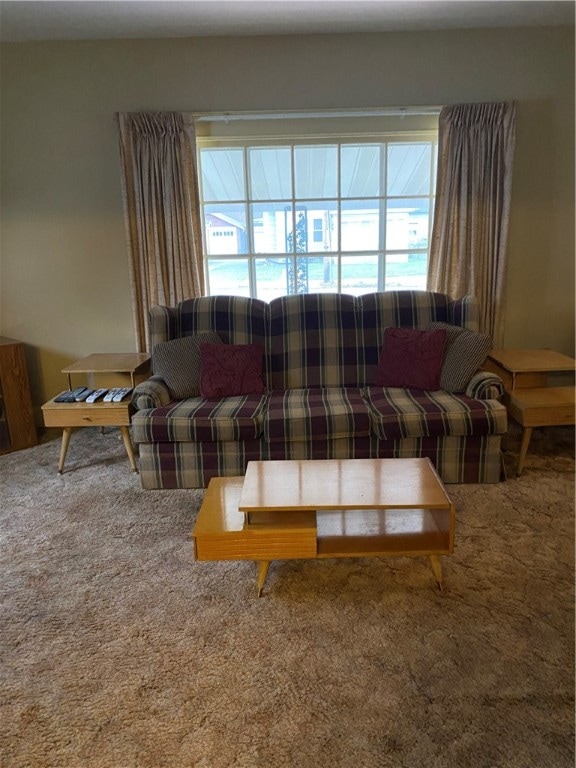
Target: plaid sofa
[[321, 351]]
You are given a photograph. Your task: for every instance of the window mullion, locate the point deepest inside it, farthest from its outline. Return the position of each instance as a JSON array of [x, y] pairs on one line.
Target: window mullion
[[383, 212]]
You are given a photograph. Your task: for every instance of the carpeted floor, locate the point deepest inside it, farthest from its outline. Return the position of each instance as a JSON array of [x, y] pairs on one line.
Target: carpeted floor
[[118, 650]]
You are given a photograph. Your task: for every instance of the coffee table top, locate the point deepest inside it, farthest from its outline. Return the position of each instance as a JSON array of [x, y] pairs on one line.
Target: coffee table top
[[342, 484]]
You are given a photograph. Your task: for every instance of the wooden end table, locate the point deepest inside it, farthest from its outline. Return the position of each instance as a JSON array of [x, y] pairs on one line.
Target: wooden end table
[[529, 398], [325, 509], [114, 369]]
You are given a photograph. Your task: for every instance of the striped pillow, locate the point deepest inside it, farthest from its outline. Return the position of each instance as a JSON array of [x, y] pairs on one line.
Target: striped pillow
[[178, 362], [464, 353]]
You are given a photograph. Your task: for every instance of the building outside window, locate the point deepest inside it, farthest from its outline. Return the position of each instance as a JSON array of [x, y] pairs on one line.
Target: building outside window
[[295, 209]]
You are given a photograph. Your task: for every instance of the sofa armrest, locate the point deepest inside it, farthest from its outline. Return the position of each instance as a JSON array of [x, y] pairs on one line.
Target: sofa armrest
[[151, 393], [485, 386]]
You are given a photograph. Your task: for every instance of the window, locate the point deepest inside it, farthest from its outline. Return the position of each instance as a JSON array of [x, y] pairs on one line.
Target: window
[[338, 211]]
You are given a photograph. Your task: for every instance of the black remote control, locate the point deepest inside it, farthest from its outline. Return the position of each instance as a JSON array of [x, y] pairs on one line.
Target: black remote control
[[69, 396]]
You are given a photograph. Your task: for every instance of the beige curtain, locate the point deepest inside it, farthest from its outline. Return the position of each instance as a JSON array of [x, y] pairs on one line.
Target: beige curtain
[[161, 205], [470, 228]]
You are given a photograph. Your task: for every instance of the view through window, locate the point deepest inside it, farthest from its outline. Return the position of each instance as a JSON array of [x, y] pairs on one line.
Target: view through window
[[346, 213]]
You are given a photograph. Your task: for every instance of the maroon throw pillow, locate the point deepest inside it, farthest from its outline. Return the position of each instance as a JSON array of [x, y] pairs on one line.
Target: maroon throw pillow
[[411, 358], [231, 369]]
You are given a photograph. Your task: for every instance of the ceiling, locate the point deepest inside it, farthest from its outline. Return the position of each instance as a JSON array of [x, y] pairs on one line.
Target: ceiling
[[22, 20]]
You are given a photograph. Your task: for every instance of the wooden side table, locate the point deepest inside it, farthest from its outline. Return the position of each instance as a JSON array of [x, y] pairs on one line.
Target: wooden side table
[[122, 369], [529, 399]]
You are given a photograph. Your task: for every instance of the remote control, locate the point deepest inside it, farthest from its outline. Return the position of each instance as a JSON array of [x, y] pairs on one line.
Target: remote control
[[121, 394], [96, 395], [110, 396], [69, 396], [83, 395]]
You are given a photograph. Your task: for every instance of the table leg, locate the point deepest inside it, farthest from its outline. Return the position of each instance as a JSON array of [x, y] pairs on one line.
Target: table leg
[[437, 569], [128, 445], [66, 432], [526, 435], [262, 573]]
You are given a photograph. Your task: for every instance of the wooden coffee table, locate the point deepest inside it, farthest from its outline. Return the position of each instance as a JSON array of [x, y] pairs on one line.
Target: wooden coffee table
[[327, 508]]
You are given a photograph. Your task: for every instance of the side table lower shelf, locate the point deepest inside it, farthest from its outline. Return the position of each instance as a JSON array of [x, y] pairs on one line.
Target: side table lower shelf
[[71, 416], [540, 407]]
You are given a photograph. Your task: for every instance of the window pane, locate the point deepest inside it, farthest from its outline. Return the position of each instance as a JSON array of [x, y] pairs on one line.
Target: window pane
[[229, 277], [316, 171], [406, 271], [360, 225], [272, 228], [271, 278], [361, 171], [359, 274], [316, 226], [225, 229], [270, 173], [407, 224], [320, 272], [408, 169], [222, 174], [288, 277], [278, 277]]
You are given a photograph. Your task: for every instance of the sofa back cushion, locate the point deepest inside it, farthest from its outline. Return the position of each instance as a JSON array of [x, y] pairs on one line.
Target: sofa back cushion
[[314, 341], [236, 320]]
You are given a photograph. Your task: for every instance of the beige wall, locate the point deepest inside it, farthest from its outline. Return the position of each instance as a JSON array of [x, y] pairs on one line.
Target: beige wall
[[63, 264]]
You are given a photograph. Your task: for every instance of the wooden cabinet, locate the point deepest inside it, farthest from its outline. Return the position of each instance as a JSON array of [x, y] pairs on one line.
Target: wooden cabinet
[[17, 428]]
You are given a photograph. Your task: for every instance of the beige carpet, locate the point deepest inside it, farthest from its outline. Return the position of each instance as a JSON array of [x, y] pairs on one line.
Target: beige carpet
[[118, 650]]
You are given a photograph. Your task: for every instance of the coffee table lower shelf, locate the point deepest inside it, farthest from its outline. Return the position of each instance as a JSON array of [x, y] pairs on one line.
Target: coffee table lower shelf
[[223, 532]]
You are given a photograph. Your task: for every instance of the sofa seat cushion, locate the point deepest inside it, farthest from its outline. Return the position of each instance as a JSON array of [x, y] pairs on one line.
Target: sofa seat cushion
[[402, 413], [306, 414], [199, 420]]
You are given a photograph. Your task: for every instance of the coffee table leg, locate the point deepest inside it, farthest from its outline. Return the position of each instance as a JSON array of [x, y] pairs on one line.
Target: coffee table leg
[[128, 445], [262, 573], [437, 569], [526, 435], [66, 432]]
